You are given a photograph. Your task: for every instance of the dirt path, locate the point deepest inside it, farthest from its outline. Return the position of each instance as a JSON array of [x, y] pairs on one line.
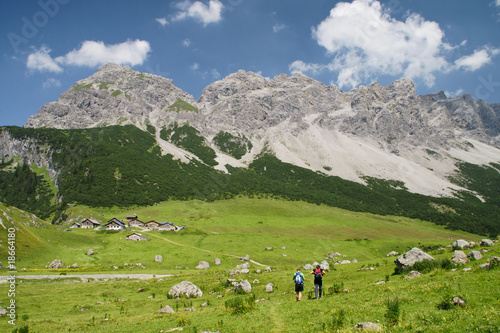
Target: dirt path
[[192, 247]]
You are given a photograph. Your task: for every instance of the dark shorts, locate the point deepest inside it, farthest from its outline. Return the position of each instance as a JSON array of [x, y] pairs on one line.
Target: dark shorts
[[299, 287]]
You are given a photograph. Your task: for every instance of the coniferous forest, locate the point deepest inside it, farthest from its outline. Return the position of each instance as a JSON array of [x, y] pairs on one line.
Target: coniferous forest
[[123, 166]]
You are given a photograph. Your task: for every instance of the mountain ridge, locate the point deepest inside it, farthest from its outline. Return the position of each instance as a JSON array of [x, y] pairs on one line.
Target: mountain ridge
[[377, 131]]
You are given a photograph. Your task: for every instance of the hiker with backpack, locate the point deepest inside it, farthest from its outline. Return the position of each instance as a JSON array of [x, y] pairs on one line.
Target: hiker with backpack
[[318, 281], [298, 277]]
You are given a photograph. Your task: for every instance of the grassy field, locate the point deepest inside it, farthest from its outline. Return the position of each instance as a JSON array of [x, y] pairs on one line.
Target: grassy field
[[299, 233]]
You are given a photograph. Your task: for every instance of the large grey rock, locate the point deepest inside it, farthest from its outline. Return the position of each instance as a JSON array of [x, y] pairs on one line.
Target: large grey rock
[[411, 257], [459, 257], [476, 255], [185, 288], [244, 285], [243, 266], [56, 264], [202, 265], [308, 267], [487, 242], [460, 244]]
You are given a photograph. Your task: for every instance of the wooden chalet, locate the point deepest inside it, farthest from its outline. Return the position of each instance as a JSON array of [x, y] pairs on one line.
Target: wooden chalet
[[76, 225], [89, 224], [136, 237], [115, 224], [165, 226], [135, 223], [151, 225]]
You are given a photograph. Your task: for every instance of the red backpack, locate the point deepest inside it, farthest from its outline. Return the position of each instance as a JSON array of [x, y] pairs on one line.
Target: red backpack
[[318, 274]]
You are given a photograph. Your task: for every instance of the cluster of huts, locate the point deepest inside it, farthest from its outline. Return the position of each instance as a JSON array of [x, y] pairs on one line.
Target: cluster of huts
[[131, 221]]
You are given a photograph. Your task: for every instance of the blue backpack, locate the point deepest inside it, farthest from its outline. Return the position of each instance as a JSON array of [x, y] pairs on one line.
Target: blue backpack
[[298, 278]]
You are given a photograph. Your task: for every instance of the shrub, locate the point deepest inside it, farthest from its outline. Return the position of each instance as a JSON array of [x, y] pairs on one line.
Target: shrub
[[241, 304], [392, 313], [338, 320]]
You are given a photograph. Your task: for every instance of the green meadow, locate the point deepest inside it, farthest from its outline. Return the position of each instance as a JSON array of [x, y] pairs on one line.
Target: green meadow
[[298, 233]]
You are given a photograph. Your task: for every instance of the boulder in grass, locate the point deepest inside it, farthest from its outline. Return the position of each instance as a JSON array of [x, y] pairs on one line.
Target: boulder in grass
[[202, 265], [90, 252], [411, 257], [269, 288], [460, 244], [244, 285], [56, 264], [459, 258], [476, 255], [487, 242], [185, 288]]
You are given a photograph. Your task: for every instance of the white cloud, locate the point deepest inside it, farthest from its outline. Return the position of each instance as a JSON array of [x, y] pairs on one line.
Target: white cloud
[[459, 92], [476, 60], [90, 54], [195, 66], [163, 21], [497, 3], [298, 66], [364, 42], [199, 11], [215, 74], [186, 42], [278, 27], [51, 82], [93, 54], [42, 61]]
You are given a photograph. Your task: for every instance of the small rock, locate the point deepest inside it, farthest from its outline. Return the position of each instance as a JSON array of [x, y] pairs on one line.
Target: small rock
[[413, 275], [217, 261], [90, 252], [158, 258], [269, 248], [3, 312], [166, 309], [458, 301], [368, 326], [392, 254], [269, 288], [140, 290]]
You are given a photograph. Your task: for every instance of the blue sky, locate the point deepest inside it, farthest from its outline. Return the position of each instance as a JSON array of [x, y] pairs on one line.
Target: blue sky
[[447, 45]]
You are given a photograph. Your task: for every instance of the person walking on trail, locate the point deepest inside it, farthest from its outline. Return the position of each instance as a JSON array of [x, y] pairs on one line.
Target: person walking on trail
[[298, 278], [318, 281]]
